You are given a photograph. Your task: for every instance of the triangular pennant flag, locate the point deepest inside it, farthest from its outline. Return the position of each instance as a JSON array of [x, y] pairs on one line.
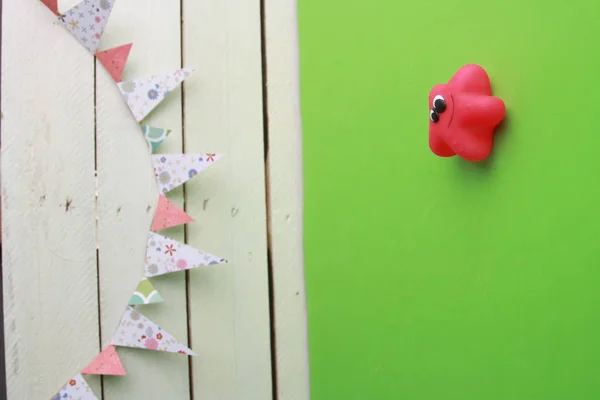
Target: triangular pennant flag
[[76, 389], [173, 170], [137, 331], [164, 255], [168, 215], [106, 363], [114, 60], [142, 95], [154, 136], [145, 293], [86, 21], [52, 5]]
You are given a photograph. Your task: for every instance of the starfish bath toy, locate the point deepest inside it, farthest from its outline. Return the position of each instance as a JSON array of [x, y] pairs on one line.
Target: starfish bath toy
[[463, 114]]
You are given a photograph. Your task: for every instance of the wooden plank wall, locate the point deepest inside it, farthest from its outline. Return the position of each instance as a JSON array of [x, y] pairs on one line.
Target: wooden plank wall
[[50, 274], [78, 196], [285, 198]]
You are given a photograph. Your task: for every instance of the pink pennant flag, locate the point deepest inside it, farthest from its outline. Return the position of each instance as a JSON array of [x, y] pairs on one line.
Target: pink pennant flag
[[106, 363], [168, 215], [52, 5], [114, 60]]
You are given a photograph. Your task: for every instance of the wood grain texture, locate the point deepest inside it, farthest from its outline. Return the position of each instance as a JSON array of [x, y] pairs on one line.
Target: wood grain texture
[[285, 199], [48, 201], [223, 113]]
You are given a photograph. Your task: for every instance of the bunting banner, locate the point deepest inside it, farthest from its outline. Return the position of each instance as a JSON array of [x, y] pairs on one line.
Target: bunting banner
[[114, 60], [154, 136], [52, 5], [173, 170], [135, 330], [76, 389], [168, 215], [86, 21], [145, 293], [106, 363], [164, 255], [142, 95]]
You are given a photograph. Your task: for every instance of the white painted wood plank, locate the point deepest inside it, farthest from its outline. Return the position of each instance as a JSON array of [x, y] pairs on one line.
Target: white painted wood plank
[[285, 199], [127, 188], [223, 113], [50, 285]]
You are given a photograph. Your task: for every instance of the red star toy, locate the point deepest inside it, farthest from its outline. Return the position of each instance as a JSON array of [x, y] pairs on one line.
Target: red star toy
[[463, 114]]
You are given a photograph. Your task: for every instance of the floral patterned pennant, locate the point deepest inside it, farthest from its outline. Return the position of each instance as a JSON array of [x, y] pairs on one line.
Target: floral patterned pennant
[[137, 331], [154, 136], [106, 363], [114, 60], [76, 389], [86, 21], [165, 255], [173, 170], [142, 95], [145, 293]]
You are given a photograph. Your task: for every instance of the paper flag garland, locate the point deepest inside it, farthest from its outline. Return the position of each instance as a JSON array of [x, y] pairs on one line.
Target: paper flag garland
[[86, 21], [137, 331], [145, 293], [106, 363], [114, 60], [164, 255], [168, 215], [52, 5], [76, 389], [142, 95], [173, 170], [154, 136]]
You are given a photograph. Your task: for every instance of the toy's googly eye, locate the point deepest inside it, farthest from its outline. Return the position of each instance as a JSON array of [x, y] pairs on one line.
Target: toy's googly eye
[[433, 116], [439, 104]]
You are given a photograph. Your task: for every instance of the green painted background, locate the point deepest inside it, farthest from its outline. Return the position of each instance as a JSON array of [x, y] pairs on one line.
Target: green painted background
[[437, 279]]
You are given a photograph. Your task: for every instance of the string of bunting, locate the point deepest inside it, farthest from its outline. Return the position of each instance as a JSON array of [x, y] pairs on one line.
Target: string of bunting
[[86, 21]]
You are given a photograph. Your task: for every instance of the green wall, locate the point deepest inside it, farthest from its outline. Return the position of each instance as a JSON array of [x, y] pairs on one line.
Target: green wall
[[431, 278]]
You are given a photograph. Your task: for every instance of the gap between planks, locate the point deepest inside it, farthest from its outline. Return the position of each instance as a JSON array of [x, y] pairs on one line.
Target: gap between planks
[[265, 104], [3, 388], [188, 305]]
